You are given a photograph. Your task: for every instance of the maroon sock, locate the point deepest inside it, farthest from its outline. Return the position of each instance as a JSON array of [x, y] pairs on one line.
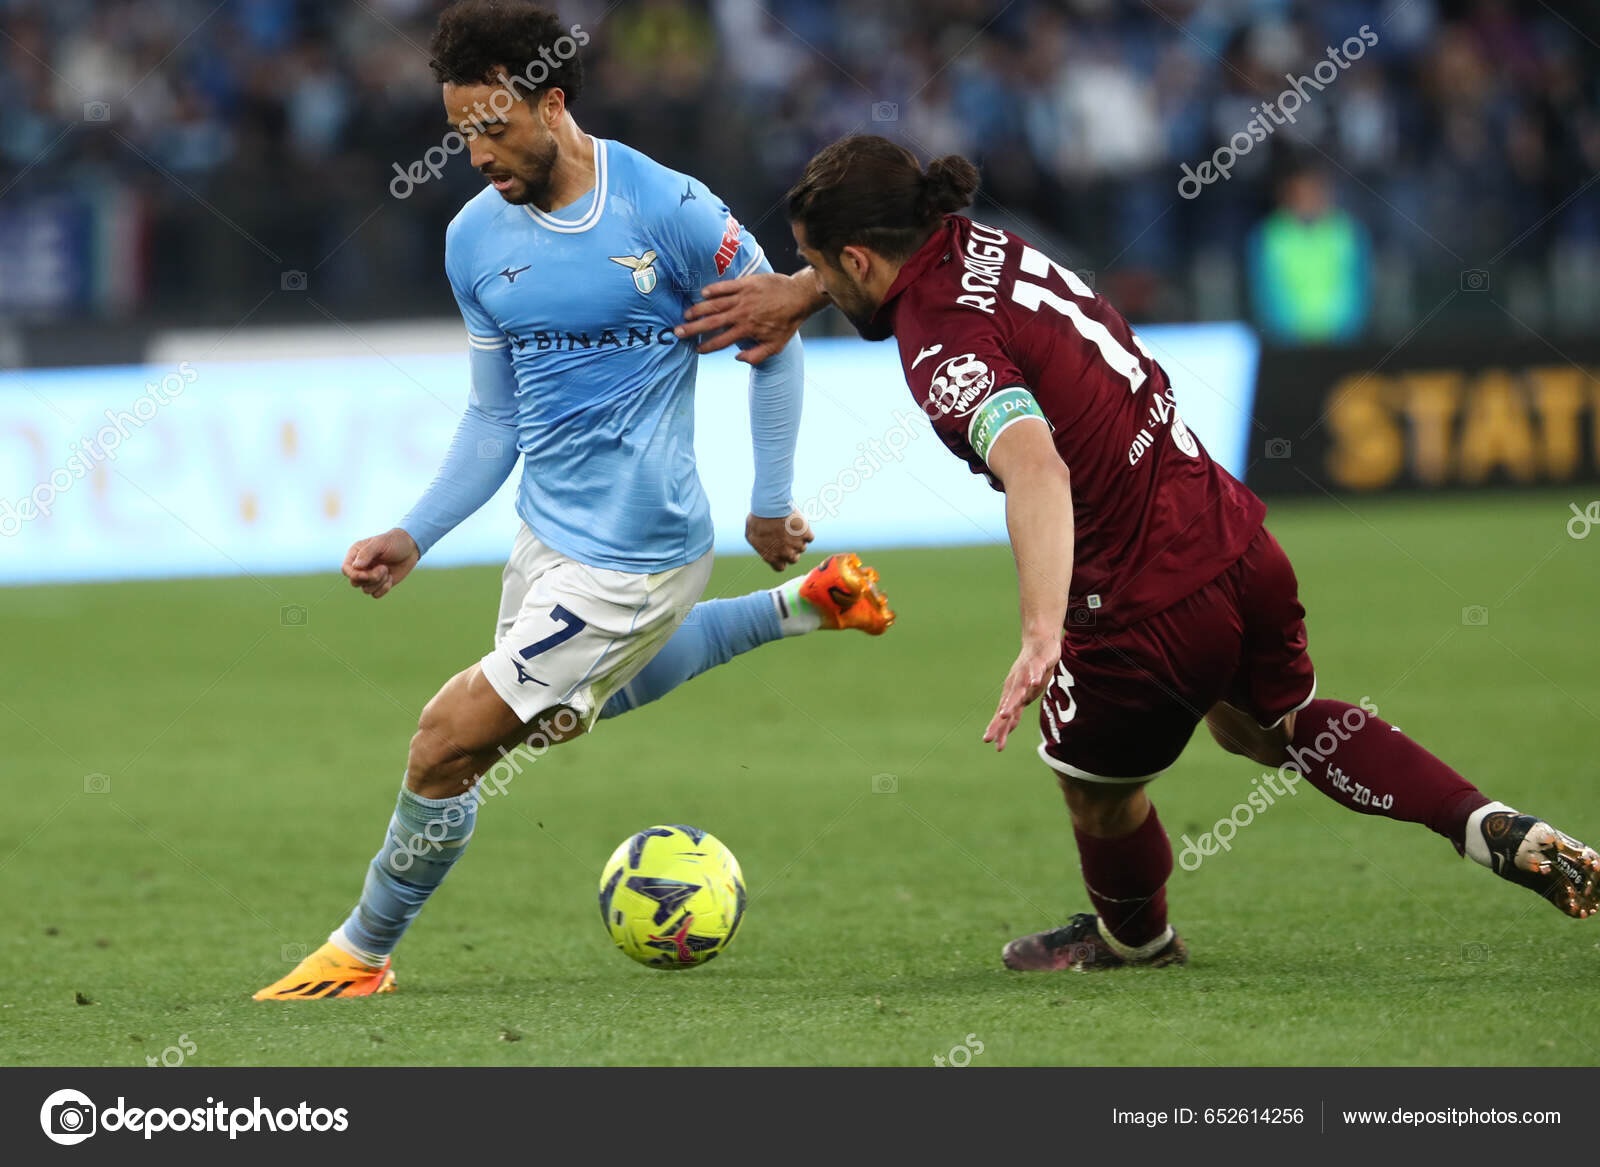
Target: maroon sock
[[1127, 880], [1361, 761]]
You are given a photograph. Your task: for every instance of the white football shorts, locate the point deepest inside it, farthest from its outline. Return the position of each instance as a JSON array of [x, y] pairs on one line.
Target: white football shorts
[[572, 635]]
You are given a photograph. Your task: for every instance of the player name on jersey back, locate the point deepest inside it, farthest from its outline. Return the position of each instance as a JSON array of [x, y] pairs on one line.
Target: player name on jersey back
[[992, 331]]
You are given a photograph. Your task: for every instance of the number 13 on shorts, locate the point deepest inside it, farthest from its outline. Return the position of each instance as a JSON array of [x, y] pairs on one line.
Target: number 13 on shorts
[[1056, 713]]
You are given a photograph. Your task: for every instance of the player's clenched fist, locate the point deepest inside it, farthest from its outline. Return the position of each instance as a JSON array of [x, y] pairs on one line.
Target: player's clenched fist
[[780, 542], [378, 564]]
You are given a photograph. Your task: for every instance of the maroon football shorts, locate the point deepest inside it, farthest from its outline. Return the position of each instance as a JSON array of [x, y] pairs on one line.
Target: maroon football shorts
[[1125, 701]]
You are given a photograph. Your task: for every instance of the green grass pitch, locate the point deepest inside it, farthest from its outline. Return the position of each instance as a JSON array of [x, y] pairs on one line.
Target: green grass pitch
[[195, 782]]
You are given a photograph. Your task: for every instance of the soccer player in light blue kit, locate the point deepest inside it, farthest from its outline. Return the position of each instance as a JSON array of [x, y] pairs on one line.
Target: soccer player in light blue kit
[[571, 272]]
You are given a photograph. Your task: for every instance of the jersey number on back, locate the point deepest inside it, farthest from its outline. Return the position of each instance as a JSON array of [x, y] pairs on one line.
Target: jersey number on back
[[1032, 296]]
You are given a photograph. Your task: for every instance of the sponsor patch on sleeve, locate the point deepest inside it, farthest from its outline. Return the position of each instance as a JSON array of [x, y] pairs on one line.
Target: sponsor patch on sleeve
[[729, 247], [991, 418]]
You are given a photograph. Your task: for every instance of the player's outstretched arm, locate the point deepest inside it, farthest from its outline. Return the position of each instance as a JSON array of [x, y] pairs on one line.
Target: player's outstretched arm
[[1039, 519], [761, 312]]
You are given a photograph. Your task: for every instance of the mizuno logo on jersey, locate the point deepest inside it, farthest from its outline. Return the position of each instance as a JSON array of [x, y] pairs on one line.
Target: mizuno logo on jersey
[[688, 193], [511, 273], [643, 268], [931, 351], [524, 676]]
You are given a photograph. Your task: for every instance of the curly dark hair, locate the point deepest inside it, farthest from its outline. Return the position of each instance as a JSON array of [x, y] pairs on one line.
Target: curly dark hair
[[476, 39]]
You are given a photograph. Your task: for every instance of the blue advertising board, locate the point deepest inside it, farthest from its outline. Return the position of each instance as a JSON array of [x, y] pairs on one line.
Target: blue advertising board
[[225, 467]]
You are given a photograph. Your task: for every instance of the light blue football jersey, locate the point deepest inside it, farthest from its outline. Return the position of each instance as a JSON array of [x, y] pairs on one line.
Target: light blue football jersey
[[570, 319]]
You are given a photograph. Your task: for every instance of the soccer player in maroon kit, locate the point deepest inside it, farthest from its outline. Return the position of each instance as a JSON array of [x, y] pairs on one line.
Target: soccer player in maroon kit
[[1152, 597]]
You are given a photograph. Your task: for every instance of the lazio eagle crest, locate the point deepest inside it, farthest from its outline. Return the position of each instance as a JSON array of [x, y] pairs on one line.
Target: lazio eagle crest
[[643, 268]]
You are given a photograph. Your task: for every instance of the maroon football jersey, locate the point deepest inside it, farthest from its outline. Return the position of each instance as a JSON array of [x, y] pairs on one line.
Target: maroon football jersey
[[992, 331]]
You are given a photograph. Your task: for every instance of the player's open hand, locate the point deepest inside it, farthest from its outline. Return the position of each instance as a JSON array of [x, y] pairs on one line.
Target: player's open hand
[[377, 565], [765, 310], [1026, 680], [780, 542]]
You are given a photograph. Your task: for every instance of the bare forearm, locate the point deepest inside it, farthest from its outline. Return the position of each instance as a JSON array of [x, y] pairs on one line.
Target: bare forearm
[[759, 312], [1039, 519], [1038, 488], [816, 299]]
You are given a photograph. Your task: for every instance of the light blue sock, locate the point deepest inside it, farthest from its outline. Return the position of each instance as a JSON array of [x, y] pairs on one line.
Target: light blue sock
[[425, 838], [714, 632]]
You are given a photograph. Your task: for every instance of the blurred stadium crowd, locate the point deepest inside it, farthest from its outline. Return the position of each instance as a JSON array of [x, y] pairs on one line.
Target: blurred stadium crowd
[[173, 159]]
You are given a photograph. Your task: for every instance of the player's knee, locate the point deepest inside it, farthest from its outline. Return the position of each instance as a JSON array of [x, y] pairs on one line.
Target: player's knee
[[1258, 748], [1237, 735], [437, 756], [1103, 809], [1269, 748], [552, 727], [1228, 737]]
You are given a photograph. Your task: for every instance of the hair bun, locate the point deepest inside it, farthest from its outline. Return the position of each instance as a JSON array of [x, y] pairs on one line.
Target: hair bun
[[951, 182]]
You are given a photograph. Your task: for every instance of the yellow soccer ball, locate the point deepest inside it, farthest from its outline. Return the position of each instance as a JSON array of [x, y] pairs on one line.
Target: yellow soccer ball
[[672, 897]]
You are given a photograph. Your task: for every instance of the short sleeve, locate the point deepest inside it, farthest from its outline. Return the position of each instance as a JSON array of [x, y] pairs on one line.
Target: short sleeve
[[962, 377]]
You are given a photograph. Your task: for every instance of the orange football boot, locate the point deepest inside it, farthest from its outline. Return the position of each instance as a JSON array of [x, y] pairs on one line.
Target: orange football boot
[[330, 971], [845, 594]]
